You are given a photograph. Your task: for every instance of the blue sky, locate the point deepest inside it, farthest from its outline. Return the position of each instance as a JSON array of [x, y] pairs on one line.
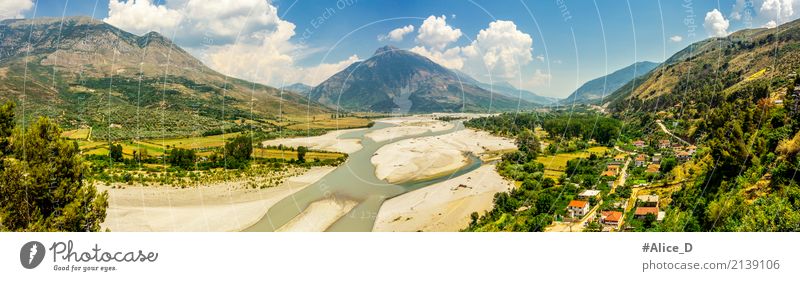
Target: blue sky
[[570, 42]]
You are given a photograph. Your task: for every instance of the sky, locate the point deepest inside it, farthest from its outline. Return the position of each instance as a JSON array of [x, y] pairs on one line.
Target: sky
[[548, 47]]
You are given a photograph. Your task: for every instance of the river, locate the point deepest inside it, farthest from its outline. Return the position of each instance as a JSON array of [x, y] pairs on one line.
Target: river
[[354, 180]]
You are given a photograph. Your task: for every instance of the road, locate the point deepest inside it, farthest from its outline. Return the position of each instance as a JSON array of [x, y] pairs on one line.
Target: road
[[664, 128]]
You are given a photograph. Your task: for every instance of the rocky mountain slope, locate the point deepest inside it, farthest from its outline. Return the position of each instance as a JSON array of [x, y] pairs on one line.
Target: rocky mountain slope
[[87, 73], [394, 80], [597, 89]]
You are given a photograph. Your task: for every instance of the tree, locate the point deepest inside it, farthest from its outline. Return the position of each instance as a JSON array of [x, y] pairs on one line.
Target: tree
[[115, 152], [301, 154], [182, 158], [528, 143], [42, 185], [668, 163], [238, 152]]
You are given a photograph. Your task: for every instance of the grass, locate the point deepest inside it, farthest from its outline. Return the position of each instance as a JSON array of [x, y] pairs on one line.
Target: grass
[[325, 122], [77, 134], [554, 165], [195, 142], [288, 154]]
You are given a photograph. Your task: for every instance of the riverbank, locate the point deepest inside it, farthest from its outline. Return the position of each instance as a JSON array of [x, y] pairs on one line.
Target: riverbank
[[445, 206], [426, 157], [328, 142], [228, 206], [408, 126]]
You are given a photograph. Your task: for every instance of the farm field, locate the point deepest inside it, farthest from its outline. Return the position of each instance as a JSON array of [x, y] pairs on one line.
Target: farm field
[[554, 165]]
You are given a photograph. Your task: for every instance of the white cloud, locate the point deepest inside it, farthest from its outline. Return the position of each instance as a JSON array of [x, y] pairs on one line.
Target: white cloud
[[436, 34], [779, 10], [540, 78], [241, 38], [540, 58], [501, 48], [13, 9], [141, 16], [397, 34], [715, 24], [770, 24], [676, 38], [450, 58]]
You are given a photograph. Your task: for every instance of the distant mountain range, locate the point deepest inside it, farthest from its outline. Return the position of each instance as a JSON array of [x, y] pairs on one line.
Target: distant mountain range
[[395, 80], [600, 88], [89, 73], [299, 88], [506, 89]]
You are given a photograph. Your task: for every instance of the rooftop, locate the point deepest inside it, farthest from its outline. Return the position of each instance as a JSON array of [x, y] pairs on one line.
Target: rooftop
[[647, 198], [612, 216], [589, 193], [643, 211], [579, 204]]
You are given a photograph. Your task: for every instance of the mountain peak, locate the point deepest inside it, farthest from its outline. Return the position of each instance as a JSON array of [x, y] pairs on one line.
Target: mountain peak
[[385, 49]]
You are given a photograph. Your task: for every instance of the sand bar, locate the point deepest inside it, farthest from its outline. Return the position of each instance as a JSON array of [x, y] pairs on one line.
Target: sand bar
[[445, 206], [228, 206]]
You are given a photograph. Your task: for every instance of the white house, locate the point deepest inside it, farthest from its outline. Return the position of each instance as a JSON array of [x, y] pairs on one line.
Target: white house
[[577, 208]]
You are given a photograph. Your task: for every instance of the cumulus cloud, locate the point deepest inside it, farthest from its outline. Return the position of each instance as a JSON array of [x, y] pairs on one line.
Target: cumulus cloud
[[242, 38], [14, 9], [450, 58], [778, 10], [397, 34], [502, 48], [770, 24], [539, 78], [540, 58], [676, 38], [715, 24], [435, 33]]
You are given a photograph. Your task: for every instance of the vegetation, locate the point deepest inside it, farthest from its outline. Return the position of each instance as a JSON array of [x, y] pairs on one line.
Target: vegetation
[[42, 186], [540, 199]]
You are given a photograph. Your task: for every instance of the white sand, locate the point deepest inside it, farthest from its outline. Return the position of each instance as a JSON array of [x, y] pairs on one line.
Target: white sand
[[443, 206], [408, 126], [218, 207], [425, 157], [327, 142], [319, 215]]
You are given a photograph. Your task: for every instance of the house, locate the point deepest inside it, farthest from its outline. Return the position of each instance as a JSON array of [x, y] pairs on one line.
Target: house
[[642, 212], [683, 155], [589, 193], [647, 200], [619, 158], [664, 144], [577, 208], [639, 143], [608, 173], [656, 159], [641, 160], [613, 168], [653, 168], [691, 149], [610, 217], [778, 102]]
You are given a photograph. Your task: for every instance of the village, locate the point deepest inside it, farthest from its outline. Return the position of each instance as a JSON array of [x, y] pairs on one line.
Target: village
[[633, 190]]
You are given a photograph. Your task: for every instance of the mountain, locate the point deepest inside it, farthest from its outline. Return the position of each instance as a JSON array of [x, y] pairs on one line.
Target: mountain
[[506, 89], [402, 81], [299, 88], [86, 72], [721, 65], [600, 88]]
